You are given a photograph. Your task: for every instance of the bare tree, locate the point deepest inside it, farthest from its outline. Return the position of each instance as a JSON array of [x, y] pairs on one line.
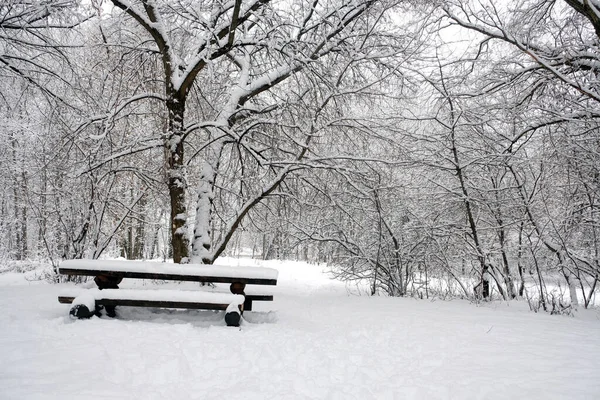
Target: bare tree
[[249, 49]]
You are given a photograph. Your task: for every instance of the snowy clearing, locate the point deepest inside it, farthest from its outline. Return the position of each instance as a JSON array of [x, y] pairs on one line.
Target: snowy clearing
[[314, 341]]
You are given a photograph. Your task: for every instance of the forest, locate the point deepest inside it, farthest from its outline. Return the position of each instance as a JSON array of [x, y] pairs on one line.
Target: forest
[[430, 148]]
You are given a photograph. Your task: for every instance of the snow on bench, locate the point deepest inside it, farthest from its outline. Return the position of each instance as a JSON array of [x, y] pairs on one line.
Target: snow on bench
[[181, 272], [109, 273], [150, 298]]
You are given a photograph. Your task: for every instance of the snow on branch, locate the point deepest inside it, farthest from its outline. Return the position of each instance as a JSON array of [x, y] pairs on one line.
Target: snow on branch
[[536, 53], [150, 144]]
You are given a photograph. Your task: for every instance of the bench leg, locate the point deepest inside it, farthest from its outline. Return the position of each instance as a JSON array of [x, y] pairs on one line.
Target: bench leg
[[247, 304], [233, 318], [107, 282], [238, 288]]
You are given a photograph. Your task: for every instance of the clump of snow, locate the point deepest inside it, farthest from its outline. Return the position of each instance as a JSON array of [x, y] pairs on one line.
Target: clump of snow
[[233, 308], [87, 299]]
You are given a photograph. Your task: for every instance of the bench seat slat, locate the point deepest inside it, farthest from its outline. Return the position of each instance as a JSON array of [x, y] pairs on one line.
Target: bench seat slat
[[152, 295], [151, 303], [68, 297], [161, 271]]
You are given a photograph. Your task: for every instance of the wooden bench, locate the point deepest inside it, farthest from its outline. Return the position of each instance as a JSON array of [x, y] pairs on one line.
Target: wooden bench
[[238, 277]]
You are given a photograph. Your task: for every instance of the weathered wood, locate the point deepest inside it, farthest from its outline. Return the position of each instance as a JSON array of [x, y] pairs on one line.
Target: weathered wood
[[170, 277], [150, 303]]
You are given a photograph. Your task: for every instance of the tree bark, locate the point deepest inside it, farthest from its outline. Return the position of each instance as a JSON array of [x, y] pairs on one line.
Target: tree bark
[[176, 179], [201, 246]]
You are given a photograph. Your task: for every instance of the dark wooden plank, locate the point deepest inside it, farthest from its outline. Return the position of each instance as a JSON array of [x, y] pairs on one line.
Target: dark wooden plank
[[66, 299], [251, 297], [151, 303], [260, 297], [167, 277], [162, 304]]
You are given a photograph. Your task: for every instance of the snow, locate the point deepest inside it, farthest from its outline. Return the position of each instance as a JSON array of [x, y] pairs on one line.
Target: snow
[[232, 308], [175, 269], [86, 298], [322, 342], [202, 241]]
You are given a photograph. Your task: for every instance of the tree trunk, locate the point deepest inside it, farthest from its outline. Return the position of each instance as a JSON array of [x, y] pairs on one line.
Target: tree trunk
[[24, 247], [571, 278], [176, 180], [154, 246], [130, 255], [43, 215], [508, 280], [459, 171], [139, 239], [519, 259], [201, 245]]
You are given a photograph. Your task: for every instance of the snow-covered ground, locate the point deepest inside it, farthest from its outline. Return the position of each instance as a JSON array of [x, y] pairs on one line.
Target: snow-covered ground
[[316, 340]]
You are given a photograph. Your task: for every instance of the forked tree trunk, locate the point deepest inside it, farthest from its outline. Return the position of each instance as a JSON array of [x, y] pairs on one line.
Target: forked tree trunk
[[216, 43]]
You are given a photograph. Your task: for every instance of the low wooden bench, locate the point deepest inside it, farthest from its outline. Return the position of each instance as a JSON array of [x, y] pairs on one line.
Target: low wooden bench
[[238, 277]]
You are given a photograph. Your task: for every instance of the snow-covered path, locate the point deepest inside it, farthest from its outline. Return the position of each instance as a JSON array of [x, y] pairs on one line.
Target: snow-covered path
[[321, 343]]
